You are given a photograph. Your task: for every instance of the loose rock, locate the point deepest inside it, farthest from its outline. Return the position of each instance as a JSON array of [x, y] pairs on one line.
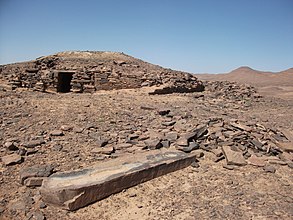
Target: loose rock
[[153, 143], [256, 161], [164, 112], [103, 150], [233, 157], [35, 171], [34, 143], [10, 146], [12, 159], [269, 169], [57, 133]]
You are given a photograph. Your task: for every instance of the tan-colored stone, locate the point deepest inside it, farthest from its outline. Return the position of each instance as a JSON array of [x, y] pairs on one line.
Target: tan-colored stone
[[256, 161], [34, 181], [233, 157], [241, 126], [287, 156], [285, 146], [103, 150], [288, 134], [12, 159]]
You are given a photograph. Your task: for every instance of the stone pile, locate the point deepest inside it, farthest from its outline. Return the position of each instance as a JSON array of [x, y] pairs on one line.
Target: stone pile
[[247, 143], [230, 90], [92, 71], [237, 142]]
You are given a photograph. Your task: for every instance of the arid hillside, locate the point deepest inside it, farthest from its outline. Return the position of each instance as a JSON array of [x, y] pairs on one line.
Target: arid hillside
[[277, 84], [253, 77]]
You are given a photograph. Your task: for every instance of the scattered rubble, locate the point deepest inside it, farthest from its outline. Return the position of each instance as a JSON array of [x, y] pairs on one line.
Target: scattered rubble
[[227, 126]]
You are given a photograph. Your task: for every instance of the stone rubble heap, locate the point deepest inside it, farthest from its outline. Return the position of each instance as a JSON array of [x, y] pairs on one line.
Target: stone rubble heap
[[92, 71], [230, 90], [239, 143]]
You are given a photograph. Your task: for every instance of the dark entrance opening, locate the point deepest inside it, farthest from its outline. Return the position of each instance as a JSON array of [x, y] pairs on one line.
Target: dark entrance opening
[[64, 80]]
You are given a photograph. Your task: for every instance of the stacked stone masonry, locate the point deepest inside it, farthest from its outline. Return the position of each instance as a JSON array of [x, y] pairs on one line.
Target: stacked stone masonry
[[93, 71]]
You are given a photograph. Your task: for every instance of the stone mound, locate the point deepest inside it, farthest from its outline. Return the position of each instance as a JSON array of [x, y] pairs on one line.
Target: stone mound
[[92, 71]]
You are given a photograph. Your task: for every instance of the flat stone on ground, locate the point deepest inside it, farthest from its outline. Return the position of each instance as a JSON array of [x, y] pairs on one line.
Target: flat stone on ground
[[153, 143], [241, 126], [171, 136], [12, 159], [66, 128], [288, 134], [103, 150], [35, 171], [182, 142], [233, 157], [256, 161], [34, 181], [269, 169], [57, 133], [75, 189], [33, 143], [286, 146]]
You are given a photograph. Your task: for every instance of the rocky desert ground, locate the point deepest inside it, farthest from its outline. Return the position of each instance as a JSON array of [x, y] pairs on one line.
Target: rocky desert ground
[[242, 139]]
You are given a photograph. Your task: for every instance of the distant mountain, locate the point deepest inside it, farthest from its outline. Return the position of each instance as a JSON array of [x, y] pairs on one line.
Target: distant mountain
[[253, 77], [287, 72]]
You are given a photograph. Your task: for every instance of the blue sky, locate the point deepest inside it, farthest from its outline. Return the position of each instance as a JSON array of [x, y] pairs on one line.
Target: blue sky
[[197, 36]]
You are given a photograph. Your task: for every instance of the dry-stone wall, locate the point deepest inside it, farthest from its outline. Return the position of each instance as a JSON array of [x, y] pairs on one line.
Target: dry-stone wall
[[92, 71]]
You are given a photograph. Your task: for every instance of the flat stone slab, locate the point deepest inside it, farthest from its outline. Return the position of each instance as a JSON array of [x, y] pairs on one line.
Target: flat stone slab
[[285, 146], [75, 189], [288, 134], [233, 157]]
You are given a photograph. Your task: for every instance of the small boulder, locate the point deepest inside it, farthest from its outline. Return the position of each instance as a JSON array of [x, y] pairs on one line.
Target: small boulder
[[168, 123], [66, 128], [12, 159], [163, 112], [171, 136], [187, 149], [10, 146], [166, 143], [182, 141], [269, 169], [133, 136], [34, 143], [153, 143], [102, 142], [123, 146], [78, 129]]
